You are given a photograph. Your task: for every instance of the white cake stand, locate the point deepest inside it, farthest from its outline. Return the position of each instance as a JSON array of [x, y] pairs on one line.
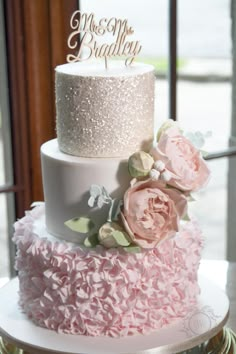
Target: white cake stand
[[205, 321]]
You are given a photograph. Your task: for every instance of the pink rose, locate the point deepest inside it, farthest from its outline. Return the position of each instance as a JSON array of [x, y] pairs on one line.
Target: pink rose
[[151, 212], [188, 170]]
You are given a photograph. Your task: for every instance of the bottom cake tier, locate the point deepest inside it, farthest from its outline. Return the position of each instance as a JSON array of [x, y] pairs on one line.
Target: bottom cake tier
[[72, 289]]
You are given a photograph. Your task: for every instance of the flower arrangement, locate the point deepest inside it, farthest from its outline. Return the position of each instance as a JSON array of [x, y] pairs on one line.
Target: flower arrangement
[[157, 199]]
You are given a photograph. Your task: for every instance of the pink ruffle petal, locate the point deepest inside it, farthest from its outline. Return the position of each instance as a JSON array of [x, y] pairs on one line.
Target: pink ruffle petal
[[100, 292]]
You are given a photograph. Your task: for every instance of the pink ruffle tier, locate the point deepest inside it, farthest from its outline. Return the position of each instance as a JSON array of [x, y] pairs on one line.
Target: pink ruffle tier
[[96, 292]]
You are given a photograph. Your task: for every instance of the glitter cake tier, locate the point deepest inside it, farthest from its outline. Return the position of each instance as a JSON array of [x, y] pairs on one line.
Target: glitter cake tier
[[67, 288], [67, 180], [104, 112]]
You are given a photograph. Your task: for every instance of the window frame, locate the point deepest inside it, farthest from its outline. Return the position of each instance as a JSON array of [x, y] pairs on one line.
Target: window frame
[[36, 41]]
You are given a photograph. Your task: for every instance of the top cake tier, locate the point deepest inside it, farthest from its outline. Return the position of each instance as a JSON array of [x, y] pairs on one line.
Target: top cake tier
[[104, 112]]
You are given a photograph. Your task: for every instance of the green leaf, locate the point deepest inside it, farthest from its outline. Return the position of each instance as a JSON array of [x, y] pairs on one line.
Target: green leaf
[[91, 241], [82, 224], [91, 202], [121, 238], [95, 190], [105, 193], [133, 249], [186, 217], [116, 209], [191, 198], [100, 201]]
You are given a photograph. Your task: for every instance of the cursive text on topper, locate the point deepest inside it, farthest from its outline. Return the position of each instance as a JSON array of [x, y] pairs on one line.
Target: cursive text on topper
[[85, 24]]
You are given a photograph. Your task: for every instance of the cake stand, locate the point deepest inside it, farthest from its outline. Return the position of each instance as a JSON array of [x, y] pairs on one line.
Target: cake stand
[[206, 319]]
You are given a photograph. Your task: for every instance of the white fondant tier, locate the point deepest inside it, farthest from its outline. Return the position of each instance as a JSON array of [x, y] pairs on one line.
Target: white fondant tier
[[71, 289], [67, 180], [104, 112]]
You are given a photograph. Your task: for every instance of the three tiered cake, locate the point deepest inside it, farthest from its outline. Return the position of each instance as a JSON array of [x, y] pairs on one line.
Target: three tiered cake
[[105, 254]]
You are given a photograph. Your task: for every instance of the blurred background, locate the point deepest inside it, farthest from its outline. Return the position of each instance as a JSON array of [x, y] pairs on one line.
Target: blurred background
[[35, 43]]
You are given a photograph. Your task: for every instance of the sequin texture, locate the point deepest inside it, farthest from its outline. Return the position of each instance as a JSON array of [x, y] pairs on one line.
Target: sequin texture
[[104, 116]]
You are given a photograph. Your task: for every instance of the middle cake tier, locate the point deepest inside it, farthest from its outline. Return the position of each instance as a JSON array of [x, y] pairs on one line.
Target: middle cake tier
[[67, 180]]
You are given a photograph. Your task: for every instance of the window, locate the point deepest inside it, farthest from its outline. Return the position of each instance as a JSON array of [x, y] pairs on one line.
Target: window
[[33, 39], [7, 215], [201, 97]]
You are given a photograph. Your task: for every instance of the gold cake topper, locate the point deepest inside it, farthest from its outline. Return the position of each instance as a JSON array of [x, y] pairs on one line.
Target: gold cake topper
[[85, 24]]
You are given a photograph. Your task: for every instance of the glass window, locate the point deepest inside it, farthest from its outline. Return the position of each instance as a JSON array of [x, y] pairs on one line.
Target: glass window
[[6, 175], [203, 89], [210, 210], [4, 239]]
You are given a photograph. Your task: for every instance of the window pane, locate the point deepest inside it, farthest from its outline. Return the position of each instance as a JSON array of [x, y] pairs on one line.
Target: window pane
[[149, 24], [204, 29], [6, 172], [2, 174], [206, 107], [4, 240], [5, 130], [204, 48], [210, 210], [201, 107]]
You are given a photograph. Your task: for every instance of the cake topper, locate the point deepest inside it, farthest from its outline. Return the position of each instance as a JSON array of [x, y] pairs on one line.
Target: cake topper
[[90, 30]]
